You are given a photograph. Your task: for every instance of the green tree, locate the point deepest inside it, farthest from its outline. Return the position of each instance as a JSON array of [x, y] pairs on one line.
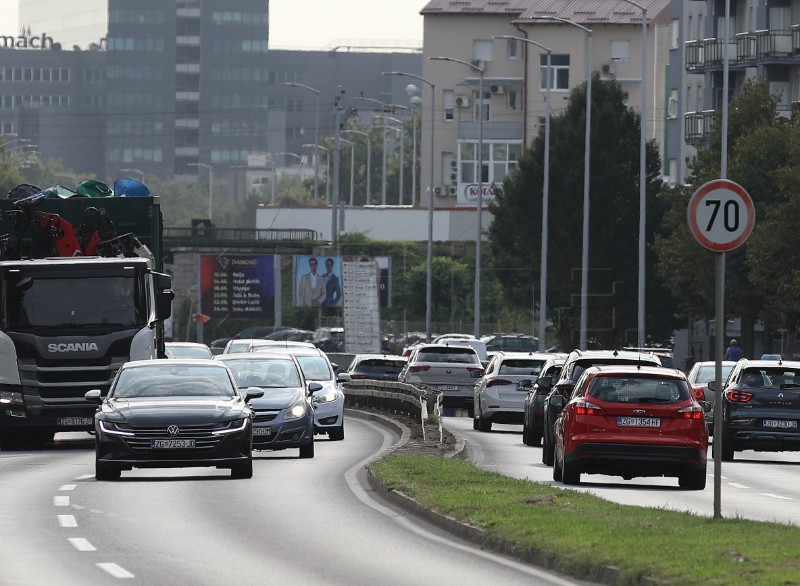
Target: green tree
[[515, 233]]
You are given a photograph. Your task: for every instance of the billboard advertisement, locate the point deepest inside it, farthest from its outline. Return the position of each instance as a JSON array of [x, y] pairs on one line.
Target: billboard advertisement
[[318, 279], [237, 286]]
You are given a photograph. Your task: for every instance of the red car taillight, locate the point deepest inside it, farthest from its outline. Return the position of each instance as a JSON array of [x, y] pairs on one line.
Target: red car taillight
[[419, 368], [693, 412], [497, 382], [739, 396], [356, 376], [586, 408], [699, 393]]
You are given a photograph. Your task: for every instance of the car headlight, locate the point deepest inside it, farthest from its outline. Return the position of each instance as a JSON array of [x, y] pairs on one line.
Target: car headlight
[[328, 397], [230, 426], [296, 411], [115, 428], [11, 399]]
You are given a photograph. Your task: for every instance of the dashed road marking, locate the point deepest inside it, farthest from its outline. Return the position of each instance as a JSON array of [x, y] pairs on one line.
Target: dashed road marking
[[775, 496], [67, 520], [67, 487], [115, 570], [737, 485], [81, 544], [61, 501]]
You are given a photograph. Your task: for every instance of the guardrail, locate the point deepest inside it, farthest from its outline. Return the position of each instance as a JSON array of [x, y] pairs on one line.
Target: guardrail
[[415, 401]]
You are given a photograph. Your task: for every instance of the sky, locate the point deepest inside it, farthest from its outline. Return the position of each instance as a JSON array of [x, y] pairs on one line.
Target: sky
[[308, 23]]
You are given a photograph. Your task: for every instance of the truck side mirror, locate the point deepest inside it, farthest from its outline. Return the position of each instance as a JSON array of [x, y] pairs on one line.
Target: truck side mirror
[[162, 281]]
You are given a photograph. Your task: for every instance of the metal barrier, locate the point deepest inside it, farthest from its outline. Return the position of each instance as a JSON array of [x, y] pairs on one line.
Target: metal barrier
[[414, 401]]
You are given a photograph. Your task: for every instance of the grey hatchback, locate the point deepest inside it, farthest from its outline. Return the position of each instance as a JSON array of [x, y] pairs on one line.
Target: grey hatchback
[[450, 369]]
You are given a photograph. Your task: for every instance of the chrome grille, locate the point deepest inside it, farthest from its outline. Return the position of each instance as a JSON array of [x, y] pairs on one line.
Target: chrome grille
[[204, 439]]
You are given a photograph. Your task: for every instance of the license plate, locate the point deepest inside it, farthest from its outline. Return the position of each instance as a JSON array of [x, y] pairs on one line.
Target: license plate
[[447, 388], [638, 422], [74, 421], [267, 431], [780, 424], [171, 444]]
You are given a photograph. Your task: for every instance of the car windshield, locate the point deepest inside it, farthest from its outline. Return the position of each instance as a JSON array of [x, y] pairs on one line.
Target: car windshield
[[638, 389], [315, 367], [706, 374], [521, 366], [449, 354], [270, 373], [187, 351], [182, 380], [775, 378]]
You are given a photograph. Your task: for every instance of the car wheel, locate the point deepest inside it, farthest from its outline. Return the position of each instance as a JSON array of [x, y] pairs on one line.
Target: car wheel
[[336, 434], [535, 438], [474, 422], [693, 480], [569, 475], [307, 451], [471, 410], [9, 440], [557, 473], [105, 472], [724, 443], [484, 423], [547, 451], [525, 434], [242, 470]]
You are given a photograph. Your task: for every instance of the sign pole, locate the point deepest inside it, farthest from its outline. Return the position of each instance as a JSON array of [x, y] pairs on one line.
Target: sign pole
[[719, 345]]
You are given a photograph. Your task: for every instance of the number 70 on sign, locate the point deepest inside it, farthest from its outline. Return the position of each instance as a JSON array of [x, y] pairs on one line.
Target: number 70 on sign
[[721, 215]]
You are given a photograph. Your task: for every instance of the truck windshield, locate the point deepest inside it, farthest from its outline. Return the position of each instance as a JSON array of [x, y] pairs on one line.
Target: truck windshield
[[85, 301]]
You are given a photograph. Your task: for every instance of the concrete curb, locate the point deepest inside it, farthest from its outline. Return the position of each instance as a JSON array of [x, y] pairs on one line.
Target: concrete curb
[[607, 575]]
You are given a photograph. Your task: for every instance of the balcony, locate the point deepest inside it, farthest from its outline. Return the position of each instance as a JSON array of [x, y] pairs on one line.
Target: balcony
[[774, 45], [746, 49], [796, 39], [715, 53], [695, 57], [697, 126]]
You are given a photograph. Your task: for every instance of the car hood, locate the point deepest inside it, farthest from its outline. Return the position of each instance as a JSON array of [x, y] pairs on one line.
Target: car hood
[[277, 398], [174, 410]]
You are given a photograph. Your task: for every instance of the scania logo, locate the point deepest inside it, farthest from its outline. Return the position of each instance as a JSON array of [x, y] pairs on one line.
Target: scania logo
[[173, 430], [72, 347]]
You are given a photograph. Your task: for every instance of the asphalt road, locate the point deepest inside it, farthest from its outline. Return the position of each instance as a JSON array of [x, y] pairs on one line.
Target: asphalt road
[[762, 486], [295, 522]]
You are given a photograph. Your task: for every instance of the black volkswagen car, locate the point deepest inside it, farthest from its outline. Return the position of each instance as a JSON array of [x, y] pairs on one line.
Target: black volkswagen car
[[173, 413]]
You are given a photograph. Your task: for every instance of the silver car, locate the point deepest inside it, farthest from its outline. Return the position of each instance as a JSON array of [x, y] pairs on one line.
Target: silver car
[[450, 369], [699, 376]]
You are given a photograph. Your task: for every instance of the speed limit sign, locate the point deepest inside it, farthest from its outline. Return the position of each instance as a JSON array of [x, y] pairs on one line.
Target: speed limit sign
[[721, 215]]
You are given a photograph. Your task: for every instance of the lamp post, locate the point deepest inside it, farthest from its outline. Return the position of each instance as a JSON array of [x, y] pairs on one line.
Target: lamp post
[[316, 134], [416, 102], [369, 159], [642, 176], [141, 173], [586, 160], [399, 130], [545, 193], [481, 69], [327, 168], [429, 283], [286, 154], [210, 183], [352, 170]]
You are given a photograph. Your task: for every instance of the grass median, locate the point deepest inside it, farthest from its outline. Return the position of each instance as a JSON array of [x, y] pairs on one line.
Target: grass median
[[583, 532]]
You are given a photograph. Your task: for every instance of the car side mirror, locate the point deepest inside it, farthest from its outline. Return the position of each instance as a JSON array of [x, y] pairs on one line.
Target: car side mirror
[[526, 384], [343, 377], [556, 401], [545, 382], [94, 396], [712, 386], [706, 406], [335, 367], [253, 393], [313, 387]]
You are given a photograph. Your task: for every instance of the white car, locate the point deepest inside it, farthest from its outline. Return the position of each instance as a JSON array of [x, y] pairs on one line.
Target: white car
[[329, 401], [239, 345], [187, 350], [500, 394]]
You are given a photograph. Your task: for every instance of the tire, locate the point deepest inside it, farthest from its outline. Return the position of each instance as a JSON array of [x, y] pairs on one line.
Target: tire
[[104, 472], [242, 470], [548, 455], [336, 434], [484, 424], [9, 440], [471, 410], [525, 434], [693, 480], [569, 475], [535, 438], [557, 472], [724, 443], [474, 422], [307, 451]]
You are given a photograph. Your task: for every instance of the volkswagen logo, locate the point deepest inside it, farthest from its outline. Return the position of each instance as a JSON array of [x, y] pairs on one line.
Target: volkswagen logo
[[639, 411], [173, 430]]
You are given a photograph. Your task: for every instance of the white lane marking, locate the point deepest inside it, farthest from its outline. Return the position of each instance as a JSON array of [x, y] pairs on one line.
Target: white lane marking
[[78, 507], [367, 499], [776, 496], [61, 501], [115, 570], [67, 520], [81, 544], [67, 487], [85, 477], [737, 485]]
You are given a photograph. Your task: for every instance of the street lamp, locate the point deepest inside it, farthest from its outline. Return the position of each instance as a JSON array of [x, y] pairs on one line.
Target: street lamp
[[399, 130], [545, 193], [369, 160], [642, 177], [586, 159], [327, 169], [352, 172], [210, 183], [416, 102], [429, 283], [141, 173], [481, 69], [316, 134], [286, 154]]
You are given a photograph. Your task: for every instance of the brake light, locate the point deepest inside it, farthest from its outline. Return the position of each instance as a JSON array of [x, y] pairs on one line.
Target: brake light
[[497, 382], [356, 376], [692, 412], [419, 368], [699, 393], [739, 396], [587, 408]]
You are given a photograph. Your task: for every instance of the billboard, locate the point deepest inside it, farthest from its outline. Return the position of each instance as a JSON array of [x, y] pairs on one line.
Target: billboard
[[237, 286], [318, 279]]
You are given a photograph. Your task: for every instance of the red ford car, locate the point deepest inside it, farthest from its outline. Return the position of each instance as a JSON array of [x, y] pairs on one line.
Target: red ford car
[[631, 421]]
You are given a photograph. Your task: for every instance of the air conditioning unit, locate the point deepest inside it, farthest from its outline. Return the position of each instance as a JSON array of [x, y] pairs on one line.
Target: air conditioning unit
[[608, 68], [462, 101], [498, 89], [440, 191], [453, 177], [452, 190]]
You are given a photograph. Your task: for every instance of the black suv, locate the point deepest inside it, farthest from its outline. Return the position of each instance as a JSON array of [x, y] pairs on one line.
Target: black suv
[[577, 362], [534, 403], [760, 408]]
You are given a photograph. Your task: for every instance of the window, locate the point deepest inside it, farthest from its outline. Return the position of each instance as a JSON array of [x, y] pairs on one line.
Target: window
[[481, 106], [449, 99], [511, 100], [499, 159], [559, 74], [621, 51], [512, 49], [482, 50], [676, 35], [673, 104]]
